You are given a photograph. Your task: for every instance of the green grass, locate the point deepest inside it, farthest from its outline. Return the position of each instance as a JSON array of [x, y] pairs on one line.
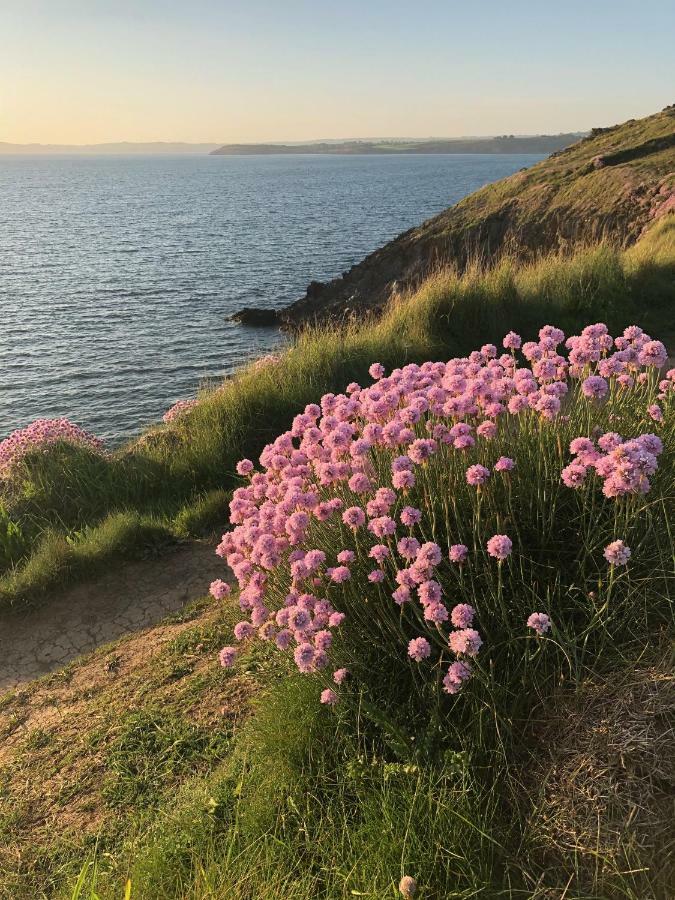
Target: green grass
[[71, 512]]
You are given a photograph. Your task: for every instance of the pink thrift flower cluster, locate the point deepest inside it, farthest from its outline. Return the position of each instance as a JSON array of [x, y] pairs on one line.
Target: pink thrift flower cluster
[[340, 511], [178, 409], [617, 553], [623, 465], [220, 589], [39, 436], [540, 622]]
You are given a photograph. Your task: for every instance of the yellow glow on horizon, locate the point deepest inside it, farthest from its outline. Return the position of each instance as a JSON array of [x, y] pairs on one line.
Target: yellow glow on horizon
[[217, 71]]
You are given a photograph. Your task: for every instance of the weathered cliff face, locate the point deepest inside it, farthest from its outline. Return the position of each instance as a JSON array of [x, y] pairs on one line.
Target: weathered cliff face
[[610, 185]]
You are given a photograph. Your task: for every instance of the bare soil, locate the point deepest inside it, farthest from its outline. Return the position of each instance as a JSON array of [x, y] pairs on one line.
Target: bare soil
[[130, 597]]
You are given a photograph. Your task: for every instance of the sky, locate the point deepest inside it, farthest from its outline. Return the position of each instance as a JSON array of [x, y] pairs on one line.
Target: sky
[[87, 71]]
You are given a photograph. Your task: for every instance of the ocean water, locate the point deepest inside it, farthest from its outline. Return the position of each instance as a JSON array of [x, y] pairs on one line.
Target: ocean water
[[117, 274]]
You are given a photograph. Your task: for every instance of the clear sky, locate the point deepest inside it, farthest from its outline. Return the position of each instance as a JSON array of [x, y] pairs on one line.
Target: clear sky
[[80, 71]]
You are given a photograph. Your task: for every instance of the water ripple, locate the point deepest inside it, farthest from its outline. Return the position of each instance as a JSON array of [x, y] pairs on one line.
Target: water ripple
[[117, 274]]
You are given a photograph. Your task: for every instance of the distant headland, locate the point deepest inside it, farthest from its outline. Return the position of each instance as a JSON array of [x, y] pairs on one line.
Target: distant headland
[[507, 143]]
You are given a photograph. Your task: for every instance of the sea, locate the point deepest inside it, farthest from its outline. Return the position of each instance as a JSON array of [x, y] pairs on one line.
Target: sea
[[118, 274]]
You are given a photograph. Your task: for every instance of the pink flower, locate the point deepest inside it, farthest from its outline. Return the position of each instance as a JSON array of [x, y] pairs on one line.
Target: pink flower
[[298, 618], [477, 475], [379, 553], [219, 589], [346, 556], [323, 639], [354, 517], [512, 341], [408, 547], [40, 435], [504, 464], [573, 476], [582, 445], [179, 409], [499, 546], [617, 553], [458, 553], [360, 483], [384, 526], [407, 887], [304, 656], [653, 353], [429, 554], [243, 630], [372, 440], [594, 387], [419, 649], [466, 642], [655, 412], [462, 615], [422, 449], [339, 675], [329, 697], [458, 672], [283, 639], [540, 622], [401, 595], [436, 613], [487, 430], [340, 574], [227, 656], [429, 592], [403, 481], [410, 516]]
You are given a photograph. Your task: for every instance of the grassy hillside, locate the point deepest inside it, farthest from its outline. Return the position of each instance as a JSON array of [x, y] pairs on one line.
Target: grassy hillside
[[608, 186], [71, 511]]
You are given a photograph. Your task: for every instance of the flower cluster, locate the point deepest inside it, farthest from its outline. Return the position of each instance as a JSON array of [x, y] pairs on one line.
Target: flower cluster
[[338, 519], [40, 435], [617, 553], [623, 465], [178, 409]]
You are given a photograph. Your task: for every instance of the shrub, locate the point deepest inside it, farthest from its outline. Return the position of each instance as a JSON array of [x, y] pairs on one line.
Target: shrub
[[438, 533], [39, 436], [179, 409]]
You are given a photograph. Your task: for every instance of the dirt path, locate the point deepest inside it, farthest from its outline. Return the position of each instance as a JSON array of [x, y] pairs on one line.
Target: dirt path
[[130, 597]]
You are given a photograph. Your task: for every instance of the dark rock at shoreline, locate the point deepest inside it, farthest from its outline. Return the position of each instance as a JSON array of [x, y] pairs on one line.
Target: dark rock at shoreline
[[256, 317]]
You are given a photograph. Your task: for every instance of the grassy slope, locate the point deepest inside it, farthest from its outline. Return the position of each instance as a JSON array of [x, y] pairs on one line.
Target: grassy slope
[[88, 754], [563, 202], [77, 512]]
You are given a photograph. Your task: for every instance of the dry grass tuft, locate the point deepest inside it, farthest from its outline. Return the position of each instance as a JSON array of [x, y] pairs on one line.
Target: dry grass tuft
[[607, 786]]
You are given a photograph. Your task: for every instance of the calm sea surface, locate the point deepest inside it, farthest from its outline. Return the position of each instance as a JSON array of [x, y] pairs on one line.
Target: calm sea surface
[[117, 274]]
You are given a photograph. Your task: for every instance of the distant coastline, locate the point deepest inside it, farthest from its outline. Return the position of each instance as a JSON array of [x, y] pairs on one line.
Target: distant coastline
[[505, 144], [543, 144]]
